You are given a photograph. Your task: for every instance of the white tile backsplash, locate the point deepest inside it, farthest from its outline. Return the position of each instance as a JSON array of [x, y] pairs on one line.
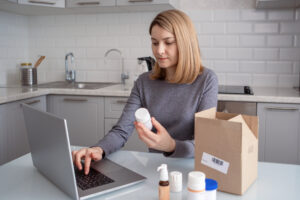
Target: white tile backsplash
[[266, 28], [213, 53], [266, 54], [226, 15], [266, 80], [212, 28], [281, 15], [239, 53], [226, 41], [291, 54], [280, 67], [290, 27], [253, 15], [280, 41], [253, 67], [243, 46], [252, 41], [239, 27]]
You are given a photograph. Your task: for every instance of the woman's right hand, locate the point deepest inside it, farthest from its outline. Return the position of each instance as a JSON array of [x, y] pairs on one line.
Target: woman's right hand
[[88, 154]]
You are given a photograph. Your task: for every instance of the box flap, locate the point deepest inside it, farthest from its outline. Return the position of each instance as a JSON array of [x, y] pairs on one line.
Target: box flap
[[209, 113]]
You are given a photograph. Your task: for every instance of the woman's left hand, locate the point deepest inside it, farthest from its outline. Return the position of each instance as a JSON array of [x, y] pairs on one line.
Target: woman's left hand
[[161, 141]]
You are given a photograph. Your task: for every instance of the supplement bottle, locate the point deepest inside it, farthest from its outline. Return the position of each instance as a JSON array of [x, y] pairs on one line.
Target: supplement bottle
[[164, 186], [142, 115], [196, 185]]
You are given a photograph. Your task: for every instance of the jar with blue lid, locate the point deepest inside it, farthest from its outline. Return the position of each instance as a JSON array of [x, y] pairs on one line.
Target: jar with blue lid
[[211, 187]]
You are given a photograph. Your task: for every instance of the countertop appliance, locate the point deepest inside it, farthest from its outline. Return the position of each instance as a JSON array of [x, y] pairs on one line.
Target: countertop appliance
[[235, 89]]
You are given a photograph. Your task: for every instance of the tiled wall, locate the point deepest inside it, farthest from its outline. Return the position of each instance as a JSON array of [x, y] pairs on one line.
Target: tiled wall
[[243, 46], [258, 48], [13, 46], [89, 37]]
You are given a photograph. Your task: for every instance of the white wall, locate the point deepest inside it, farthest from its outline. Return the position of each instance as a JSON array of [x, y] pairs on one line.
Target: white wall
[[242, 45], [13, 46]]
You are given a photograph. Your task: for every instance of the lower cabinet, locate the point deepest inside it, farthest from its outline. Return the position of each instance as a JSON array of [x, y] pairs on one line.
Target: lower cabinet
[[13, 133], [279, 131], [113, 110], [84, 115]]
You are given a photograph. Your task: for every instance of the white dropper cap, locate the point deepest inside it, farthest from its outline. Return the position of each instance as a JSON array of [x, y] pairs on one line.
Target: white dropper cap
[[196, 181], [142, 115], [163, 172]]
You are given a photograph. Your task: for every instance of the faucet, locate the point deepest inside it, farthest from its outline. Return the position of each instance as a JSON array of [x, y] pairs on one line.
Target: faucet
[[70, 74], [124, 75]]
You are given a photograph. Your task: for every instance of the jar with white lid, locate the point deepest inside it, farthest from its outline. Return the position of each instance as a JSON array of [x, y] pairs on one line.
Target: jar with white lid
[[196, 185]]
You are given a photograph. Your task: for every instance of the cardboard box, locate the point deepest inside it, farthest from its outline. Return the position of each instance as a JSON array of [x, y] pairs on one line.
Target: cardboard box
[[226, 149]]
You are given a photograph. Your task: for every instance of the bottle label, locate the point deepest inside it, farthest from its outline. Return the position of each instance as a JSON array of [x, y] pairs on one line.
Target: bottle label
[[164, 193], [215, 163]]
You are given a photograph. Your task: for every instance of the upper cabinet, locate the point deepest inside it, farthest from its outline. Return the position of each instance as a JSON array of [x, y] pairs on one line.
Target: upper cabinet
[[49, 3], [89, 3], [277, 4], [54, 7], [147, 5]]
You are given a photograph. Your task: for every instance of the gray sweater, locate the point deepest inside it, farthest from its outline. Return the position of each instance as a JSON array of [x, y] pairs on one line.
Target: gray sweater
[[173, 105]]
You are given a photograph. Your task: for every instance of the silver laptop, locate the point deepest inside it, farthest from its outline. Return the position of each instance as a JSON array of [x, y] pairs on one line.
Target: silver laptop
[[51, 155]]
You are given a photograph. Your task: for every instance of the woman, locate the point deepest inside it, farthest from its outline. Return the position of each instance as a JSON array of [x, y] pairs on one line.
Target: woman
[[177, 88]]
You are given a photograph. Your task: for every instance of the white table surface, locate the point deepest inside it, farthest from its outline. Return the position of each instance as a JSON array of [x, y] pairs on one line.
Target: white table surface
[[20, 180]]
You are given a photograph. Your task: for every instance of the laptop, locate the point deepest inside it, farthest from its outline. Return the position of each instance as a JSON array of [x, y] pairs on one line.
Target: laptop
[[51, 155]]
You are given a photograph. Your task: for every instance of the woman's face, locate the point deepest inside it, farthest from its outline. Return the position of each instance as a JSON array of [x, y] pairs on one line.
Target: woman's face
[[164, 47]]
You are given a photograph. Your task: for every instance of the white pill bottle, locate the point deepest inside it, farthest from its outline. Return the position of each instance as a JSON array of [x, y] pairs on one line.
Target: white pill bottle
[[142, 115], [196, 186]]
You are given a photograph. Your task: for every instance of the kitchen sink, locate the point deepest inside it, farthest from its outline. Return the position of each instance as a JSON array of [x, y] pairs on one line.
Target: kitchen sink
[[75, 85]]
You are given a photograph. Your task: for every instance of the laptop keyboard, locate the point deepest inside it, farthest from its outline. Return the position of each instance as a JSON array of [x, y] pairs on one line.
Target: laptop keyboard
[[93, 179]]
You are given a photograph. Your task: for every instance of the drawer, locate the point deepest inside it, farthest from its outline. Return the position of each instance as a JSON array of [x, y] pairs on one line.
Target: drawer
[[114, 106]]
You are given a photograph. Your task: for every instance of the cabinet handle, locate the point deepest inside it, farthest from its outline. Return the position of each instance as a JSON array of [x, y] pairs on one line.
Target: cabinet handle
[[32, 102], [42, 2], [88, 3], [135, 1], [75, 100], [121, 101], [282, 108]]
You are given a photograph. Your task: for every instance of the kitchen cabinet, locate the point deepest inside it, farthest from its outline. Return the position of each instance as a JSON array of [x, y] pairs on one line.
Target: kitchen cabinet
[[146, 5], [84, 115], [61, 7], [113, 110], [13, 133], [48, 3], [89, 3], [279, 132]]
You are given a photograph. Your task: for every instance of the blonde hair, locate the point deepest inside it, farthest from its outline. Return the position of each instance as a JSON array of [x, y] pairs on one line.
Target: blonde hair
[[189, 61]]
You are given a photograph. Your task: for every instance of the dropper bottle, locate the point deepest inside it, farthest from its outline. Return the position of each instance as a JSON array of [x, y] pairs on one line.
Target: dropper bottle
[[164, 186]]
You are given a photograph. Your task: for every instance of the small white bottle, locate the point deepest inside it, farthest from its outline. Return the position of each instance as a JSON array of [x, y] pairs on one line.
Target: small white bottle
[[175, 181], [196, 185], [142, 115]]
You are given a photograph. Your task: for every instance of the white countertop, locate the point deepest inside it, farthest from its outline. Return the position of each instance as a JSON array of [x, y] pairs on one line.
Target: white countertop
[[20, 180], [261, 94]]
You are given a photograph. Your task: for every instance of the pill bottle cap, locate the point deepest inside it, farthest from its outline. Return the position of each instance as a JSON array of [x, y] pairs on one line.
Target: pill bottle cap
[[163, 172], [175, 181], [211, 184], [196, 180], [142, 115]]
